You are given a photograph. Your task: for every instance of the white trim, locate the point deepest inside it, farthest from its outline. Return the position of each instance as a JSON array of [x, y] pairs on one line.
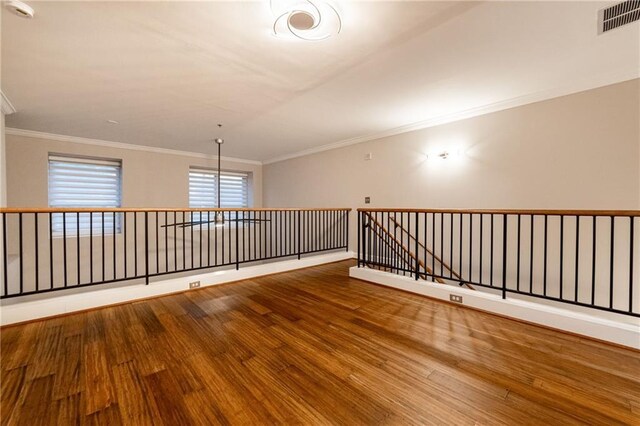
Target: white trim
[[120, 145], [563, 319], [574, 87], [6, 105], [14, 311]]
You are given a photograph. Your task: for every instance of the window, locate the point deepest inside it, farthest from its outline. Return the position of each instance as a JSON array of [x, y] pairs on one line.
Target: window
[[83, 182], [203, 186]]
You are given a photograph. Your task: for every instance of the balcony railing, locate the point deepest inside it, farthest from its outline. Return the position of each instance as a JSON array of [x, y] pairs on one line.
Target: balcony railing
[[46, 250], [578, 257]]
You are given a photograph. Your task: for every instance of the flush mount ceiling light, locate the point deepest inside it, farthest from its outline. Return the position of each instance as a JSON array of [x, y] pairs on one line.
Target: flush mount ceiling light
[[18, 8], [305, 19]]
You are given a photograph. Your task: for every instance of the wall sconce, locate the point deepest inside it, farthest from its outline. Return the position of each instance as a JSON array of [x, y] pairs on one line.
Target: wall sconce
[[443, 155]]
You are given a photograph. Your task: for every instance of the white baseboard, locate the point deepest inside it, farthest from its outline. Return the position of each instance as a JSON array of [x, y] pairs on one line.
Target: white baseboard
[[15, 311], [624, 334]]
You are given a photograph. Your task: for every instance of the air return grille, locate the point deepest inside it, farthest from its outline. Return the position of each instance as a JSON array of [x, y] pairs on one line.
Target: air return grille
[[618, 15]]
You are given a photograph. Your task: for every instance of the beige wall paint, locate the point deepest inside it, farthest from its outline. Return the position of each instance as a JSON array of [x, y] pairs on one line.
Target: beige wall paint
[[577, 151], [149, 179]]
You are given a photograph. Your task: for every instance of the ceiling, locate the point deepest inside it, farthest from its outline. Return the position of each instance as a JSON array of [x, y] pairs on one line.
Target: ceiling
[[168, 72]]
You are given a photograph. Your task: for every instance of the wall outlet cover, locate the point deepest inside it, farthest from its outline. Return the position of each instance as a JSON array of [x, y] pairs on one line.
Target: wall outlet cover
[[194, 284]]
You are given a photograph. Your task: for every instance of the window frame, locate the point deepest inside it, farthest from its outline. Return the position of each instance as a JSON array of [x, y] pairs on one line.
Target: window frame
[[71, 228]]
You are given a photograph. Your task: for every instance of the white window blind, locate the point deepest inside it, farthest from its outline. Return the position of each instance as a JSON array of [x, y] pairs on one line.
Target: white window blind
[[81, 182], [203, 186]]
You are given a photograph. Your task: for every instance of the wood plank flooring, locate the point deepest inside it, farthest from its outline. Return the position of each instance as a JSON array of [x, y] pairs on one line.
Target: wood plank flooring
[[308, 347]]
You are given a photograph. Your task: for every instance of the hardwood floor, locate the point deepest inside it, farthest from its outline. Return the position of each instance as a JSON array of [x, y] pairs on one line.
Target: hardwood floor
[[308, 347]]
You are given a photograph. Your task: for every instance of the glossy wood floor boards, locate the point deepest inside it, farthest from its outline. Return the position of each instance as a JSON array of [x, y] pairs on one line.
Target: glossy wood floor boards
[[308, 347]]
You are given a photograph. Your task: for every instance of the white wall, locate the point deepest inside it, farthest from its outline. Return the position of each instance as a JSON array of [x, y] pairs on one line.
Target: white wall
[[580, 151]]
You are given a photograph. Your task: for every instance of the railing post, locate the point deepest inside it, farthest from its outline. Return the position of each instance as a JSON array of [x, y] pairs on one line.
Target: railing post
[[146, 247], [417, 270], [504, 256], [237, 243], [299, 226]]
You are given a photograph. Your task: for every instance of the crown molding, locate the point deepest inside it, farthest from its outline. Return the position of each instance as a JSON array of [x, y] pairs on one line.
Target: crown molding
[[121, 145], [6, 105], [569, 89]]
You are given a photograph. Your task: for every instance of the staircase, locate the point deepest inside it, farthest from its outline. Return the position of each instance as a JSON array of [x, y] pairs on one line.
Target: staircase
[[409, 258]]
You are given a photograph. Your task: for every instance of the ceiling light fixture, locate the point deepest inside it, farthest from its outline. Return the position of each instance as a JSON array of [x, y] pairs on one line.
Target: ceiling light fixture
[[305, 19], [19, 8]]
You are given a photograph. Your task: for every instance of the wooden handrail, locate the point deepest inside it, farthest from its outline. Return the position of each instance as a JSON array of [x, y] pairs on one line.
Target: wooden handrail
[[627, 213], [154, 209]]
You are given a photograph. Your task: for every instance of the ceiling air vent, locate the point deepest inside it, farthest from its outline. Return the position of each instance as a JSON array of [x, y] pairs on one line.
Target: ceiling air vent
[[618, 15]]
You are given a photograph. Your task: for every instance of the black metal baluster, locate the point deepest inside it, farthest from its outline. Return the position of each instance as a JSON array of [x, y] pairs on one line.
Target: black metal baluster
[[114, 245], [631, 261], [64, 248], [5, 254], [91, 247], [504, 256], [417, 272], [222, 238], [191, 226], [299, 236], [460, 248], [450, 245], [184, 245], [433, 243], [359, 236], [77, 246], [593, 262], [21, 255], [209, 238], [611, 265], [426, 238], [561, 255], [441, 244], [518, 259], [135, 243], [491, 252], [50, 248], [544, 280], [166, 240], [531, 255], [237, 243], [577, 282], [481, 247], [146, 247], [200, 238], [470, 247], [124, 233], [215, 237], [102, 242], [37, 251]]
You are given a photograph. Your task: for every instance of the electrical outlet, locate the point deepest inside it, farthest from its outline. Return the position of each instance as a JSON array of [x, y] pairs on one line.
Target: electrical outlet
[[194, 284], [367, 200], [455, 298]]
